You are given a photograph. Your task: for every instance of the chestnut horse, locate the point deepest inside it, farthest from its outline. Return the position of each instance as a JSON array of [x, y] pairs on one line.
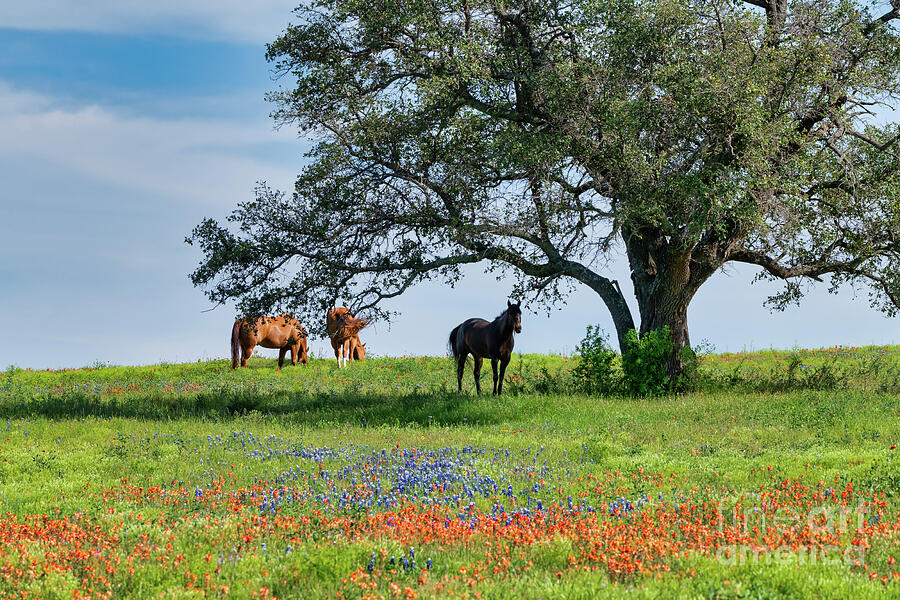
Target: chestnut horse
[[481, 339], [344, 330], [283, 332], [358, 349]]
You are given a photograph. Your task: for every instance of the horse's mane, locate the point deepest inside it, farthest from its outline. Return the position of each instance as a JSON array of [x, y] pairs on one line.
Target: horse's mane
[[349, 326]]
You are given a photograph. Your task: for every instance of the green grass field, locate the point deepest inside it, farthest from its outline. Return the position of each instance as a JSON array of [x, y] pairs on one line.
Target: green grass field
[[777, 477]]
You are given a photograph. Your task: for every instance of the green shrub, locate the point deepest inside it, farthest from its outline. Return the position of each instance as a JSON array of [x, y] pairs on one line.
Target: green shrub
[[595, 371], [643, 365], [644, 361]]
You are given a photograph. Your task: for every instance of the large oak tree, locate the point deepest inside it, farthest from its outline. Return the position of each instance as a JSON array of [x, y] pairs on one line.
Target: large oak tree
[[542, 136]]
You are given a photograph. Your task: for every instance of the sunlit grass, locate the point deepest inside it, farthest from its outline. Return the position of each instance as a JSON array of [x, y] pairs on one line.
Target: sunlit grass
[[193, 456]]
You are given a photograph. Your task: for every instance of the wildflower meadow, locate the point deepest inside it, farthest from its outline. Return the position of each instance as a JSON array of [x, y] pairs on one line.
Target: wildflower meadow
[[776, 476]]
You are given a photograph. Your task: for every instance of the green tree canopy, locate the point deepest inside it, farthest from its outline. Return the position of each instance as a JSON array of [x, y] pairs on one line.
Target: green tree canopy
[[541, 137]]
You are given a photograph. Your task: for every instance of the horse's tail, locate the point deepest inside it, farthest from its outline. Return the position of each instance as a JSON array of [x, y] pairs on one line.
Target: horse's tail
[[451, 343], [235, 344]]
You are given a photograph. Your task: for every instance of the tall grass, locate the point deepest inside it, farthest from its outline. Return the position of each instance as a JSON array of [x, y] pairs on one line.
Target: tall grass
[[192, 455]]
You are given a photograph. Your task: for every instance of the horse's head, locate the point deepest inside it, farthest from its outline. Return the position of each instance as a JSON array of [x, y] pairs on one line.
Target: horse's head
[[514, 314], [304, 350]]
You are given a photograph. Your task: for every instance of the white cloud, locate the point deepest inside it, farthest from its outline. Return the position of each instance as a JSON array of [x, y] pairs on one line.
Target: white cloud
[[230, 20], [14, 101], [193, 159]]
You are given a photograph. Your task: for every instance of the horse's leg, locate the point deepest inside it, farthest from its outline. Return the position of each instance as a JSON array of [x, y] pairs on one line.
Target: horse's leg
[[337, 354], [281, 353], [246, 351], [295, 350], [477, 373], [460, 367], [503, 363], [494, 369], [348, 351]]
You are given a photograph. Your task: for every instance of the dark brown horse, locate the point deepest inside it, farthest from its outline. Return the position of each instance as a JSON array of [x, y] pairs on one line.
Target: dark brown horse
[[283, 332], [481, 339]]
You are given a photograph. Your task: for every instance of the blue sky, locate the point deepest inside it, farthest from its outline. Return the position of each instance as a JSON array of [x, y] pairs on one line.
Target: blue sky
[[123, 124]]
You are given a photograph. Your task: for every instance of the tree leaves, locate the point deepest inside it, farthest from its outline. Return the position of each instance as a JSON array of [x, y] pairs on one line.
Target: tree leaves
[[541, 136]]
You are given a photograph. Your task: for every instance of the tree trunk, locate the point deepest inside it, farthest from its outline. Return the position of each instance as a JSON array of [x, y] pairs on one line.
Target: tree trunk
[[612, 296], [663, 286], [671, 314], [621, 315]]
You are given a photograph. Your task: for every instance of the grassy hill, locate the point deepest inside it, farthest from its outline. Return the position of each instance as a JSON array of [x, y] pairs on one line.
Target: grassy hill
[[777, 476]]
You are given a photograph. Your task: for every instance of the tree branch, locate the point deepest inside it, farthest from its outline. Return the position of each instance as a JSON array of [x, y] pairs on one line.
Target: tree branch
[[813, 270]]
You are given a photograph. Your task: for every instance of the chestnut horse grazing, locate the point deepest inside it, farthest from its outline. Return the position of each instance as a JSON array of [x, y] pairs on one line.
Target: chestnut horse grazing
[[481, 339], [283, 332], [344, 330]]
